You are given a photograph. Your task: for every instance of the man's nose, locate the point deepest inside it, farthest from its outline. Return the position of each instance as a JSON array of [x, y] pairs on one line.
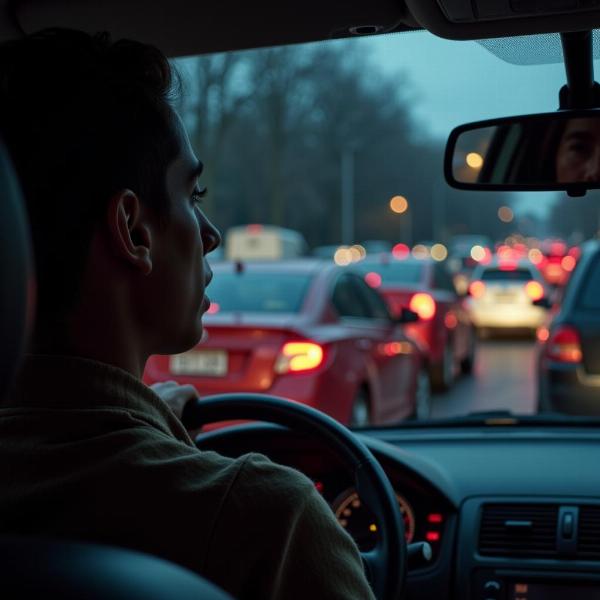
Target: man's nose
[[211, 236], [592, 170]]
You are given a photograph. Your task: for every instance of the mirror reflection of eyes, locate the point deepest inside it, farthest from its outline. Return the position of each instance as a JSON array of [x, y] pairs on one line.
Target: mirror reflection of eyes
[[579, 147], [549, 151]]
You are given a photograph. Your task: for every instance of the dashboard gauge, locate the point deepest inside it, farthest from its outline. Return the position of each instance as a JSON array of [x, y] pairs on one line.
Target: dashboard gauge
[[359, 522]]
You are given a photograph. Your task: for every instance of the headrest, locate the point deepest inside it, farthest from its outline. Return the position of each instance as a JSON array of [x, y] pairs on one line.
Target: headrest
[[17, 283]]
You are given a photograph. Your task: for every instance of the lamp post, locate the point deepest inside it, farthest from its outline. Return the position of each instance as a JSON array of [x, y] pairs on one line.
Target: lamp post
[[347, 193], [400, 206]]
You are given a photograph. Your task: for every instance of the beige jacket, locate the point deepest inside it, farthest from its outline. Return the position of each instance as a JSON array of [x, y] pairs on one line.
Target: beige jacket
[[89, 452]]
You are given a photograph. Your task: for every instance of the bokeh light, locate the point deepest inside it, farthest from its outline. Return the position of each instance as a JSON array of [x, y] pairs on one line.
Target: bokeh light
[[474, 160], [399, 204], [505, 214], [478, 253], [439, 252]]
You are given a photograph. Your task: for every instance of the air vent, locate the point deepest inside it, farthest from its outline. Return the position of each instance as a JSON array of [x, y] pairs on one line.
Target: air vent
[[519, 530], [588, 544]]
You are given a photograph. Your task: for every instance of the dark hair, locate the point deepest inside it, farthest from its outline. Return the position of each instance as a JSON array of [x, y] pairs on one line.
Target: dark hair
[[83, 118]]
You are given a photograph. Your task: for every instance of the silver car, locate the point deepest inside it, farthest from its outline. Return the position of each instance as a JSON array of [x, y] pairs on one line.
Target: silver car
[[508, 295]]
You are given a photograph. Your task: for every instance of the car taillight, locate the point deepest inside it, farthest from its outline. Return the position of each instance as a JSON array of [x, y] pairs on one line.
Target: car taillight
[[477, 289], [534, 290], [564, 345], [424, 305], [568, 263], [295, 357]]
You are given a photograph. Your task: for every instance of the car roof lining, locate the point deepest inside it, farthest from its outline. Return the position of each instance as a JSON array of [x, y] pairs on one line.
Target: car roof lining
[[184, 27], [533, 49]]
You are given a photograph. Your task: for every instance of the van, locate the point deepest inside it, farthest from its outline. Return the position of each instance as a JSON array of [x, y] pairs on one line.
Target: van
[[263, 242]]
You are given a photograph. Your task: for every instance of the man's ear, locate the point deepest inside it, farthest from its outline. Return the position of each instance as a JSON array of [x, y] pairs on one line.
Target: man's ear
[[129, 231]]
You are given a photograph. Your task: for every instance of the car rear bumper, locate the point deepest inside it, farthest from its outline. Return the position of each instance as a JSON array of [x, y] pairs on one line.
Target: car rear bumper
[[508, 316], [569, 389]]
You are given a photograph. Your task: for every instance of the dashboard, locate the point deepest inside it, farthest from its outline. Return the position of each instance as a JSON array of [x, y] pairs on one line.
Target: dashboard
[[511, 513]]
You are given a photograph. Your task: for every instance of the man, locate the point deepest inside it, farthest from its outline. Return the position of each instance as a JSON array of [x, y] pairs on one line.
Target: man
[[87, 451], [578, 153]]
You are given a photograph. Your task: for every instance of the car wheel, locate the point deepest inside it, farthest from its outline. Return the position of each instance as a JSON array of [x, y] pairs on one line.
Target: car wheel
[[361, 411], [423, 395], [442, 375], [468, 362]]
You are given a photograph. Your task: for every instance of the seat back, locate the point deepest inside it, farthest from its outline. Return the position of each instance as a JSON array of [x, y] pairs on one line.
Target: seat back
[[56, 569], [17, 287], [31, 567]]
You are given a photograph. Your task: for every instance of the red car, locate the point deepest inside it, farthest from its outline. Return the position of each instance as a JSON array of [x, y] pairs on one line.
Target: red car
[[556, 262], [444, 328], [305, 330]]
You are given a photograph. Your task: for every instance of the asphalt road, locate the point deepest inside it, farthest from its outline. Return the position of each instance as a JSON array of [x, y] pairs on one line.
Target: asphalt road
[[503, 379]]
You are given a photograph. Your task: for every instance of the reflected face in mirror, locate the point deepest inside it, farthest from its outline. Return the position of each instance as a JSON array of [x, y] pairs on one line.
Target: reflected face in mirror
[[578, 153]]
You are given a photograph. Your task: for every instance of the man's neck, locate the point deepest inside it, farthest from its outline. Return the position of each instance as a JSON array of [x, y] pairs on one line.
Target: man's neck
[[101, 336]]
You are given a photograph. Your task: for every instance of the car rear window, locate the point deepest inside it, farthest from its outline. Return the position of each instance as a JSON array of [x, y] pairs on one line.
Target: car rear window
[[395, 272], [258, 292], [590, 294], [506, 275]]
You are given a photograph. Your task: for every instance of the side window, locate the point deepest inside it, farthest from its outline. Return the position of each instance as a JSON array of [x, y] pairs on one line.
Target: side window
[[376, 305], [347, 299], [442, 279]]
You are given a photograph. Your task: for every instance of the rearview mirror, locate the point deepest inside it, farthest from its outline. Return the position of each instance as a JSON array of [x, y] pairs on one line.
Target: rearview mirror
[[550, 151]]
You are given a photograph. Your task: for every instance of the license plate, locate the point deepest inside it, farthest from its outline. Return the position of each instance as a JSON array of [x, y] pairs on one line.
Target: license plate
[[211, 363], [504, 298]]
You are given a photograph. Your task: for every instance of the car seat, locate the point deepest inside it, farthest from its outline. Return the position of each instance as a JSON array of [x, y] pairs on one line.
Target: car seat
[[51, 568]]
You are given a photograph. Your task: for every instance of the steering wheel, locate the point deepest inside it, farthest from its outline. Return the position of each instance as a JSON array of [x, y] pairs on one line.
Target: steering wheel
[[385, 565]]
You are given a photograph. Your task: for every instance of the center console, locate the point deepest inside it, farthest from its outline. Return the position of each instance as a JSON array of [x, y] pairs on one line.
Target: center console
[[515, 548]]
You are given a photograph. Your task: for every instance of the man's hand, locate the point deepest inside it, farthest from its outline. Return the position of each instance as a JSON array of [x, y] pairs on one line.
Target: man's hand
[[174, 395]]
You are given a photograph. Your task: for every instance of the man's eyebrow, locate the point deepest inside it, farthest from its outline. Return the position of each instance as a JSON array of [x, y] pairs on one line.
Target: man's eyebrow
[[196, 171], [580, 135]]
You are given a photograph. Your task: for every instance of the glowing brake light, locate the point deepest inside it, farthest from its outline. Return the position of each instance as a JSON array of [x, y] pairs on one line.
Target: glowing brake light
[[564, 345], [568, 263], [214, 308], [477, 289], [534, 290], [400, 251], [373, 279], [423, 305], [299, 356]]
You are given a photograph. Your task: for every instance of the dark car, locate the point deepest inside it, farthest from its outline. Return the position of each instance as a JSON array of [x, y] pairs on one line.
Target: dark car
[[569, 347], [444, 328], [309, 331]]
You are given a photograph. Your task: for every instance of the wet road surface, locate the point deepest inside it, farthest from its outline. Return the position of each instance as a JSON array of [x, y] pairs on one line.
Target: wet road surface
[[503, 379]]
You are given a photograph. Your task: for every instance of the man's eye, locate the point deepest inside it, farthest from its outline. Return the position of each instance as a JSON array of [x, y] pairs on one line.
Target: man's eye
[[198, 196]]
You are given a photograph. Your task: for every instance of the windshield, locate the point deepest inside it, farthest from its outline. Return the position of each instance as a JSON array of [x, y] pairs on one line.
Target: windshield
[[257, 292], [394, 272], [506, 275], [342, 142]]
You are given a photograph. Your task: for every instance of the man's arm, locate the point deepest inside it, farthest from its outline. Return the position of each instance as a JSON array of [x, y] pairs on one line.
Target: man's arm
[[276, 538]]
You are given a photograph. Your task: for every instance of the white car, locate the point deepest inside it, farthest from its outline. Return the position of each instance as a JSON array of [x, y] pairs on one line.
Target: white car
[[507, 295]]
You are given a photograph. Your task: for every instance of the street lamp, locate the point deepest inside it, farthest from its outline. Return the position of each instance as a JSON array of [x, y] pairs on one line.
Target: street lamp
[[505, 214], [399, 205]]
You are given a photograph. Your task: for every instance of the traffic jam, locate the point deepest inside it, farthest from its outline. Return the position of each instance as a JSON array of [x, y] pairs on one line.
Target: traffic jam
[[376, 334]]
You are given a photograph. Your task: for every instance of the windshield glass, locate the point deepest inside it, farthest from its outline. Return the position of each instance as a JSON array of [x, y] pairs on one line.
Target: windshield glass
[[506, 275], [342, 142], [257, 292], [394, 272]]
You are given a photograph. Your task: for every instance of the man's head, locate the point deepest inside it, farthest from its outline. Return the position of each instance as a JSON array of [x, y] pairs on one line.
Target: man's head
[[578, 153], [110, 182]]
